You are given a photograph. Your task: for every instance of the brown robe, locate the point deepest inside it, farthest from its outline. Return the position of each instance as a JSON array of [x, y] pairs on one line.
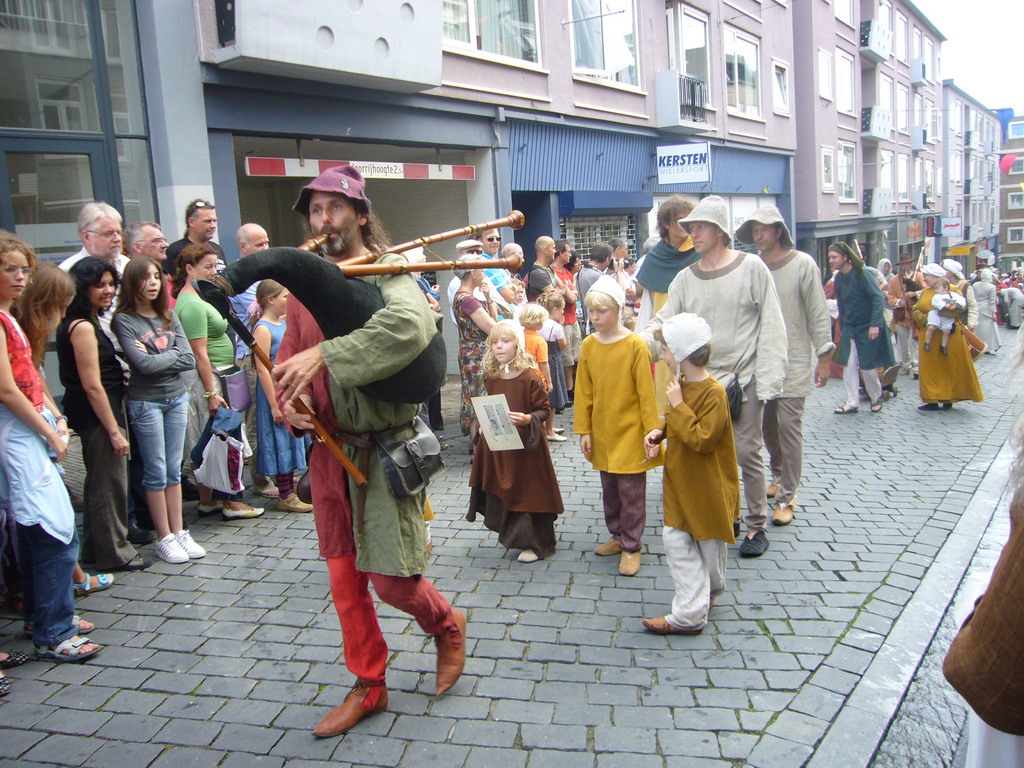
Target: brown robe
[[985, 663], [517, 491]]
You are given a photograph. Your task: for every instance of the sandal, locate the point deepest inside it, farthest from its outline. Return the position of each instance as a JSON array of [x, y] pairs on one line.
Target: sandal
[[80, 625], [846, 410], [876, 407], [103, 581], [70, 651], [14, 659]]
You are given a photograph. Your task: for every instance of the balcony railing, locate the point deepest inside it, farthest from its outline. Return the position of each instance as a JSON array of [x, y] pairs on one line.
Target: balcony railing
[[693, 97], [681, 102]]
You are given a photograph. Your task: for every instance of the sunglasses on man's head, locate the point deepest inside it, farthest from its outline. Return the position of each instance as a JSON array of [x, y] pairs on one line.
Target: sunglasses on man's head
[[196, 206]]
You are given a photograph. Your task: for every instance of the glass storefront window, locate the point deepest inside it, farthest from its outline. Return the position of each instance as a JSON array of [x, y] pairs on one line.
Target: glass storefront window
[[47, 190], [136, 182], [46, 59], [122, 67]]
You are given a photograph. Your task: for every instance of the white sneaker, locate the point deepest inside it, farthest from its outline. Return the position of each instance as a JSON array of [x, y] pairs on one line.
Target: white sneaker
[[170, 551], [193, 550]]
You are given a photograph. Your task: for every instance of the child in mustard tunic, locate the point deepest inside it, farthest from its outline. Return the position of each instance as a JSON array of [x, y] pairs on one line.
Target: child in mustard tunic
[[702, 484], [615, 408]]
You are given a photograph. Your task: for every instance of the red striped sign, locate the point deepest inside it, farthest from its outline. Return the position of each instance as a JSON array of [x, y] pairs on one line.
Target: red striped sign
[[371, 169]]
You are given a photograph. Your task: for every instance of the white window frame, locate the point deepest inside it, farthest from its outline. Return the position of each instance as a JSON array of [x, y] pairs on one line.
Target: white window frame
[[1014, 235], [609, 9], [730, 37], [844, 11], [929, 179], [918, 120], [929, 120], [900, 37], [886, 85], [885, 13], [828, 170], [929, 59], [825, 89], [1015, 130], [956, 117], [903, 178], [1017, 167], [677, 14], [1015, 201], [474, 33], [846, 169], [915, 51], [902, 117], [887, 170], [781, 93], [846, 69]]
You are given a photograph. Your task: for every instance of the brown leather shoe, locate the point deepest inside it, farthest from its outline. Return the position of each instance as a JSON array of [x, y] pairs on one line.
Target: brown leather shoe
[[783, 514], [451, 652], [660, 626], [772, 490], [610, 547], [358, 705]]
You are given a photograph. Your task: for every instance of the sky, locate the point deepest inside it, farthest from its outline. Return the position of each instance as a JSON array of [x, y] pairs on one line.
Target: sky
[[983, 52]]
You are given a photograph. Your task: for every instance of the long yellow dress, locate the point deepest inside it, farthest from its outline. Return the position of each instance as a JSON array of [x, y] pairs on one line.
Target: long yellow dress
[[944, 378]]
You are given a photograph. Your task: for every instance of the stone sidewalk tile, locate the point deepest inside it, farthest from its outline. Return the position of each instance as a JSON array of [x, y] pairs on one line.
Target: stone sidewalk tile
[[231, 660]]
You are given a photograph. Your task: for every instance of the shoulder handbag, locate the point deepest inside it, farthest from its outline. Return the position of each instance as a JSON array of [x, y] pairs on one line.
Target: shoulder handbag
[[411, 461], [236, 388]]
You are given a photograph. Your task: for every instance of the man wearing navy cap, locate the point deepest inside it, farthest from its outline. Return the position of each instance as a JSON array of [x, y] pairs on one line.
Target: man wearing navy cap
[[366, 534]]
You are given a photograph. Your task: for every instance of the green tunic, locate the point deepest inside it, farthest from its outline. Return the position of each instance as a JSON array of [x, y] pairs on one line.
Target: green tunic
[[394, 540]]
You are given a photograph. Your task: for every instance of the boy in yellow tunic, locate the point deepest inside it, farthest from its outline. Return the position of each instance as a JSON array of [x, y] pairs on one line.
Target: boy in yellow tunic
[[702, 484], [615, 408]]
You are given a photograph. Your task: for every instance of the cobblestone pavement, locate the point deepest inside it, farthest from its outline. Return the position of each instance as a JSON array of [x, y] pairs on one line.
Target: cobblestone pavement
[[231, 660]]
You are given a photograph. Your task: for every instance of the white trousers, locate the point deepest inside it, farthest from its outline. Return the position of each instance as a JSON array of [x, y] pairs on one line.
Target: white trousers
[[698, 572], [851, 378], [906, 347]]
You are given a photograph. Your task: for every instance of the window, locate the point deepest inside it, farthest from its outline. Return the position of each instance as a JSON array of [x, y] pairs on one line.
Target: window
[[903, 178], [502, 28], [885, 170], [847, 175], [929, 60], [918, 110], [885, 13], [916, 54], [845, 73], [780, 88], [689, 31], [828, 174], [885, 86], [955, 113], [956, 166], [743, 84], [918, 173], [61, 105], [604, 39], [1015, 234], [929, 179], [901, 37], [825, 74], [929, 120], [844, 10], [1018, 166], [1016, 131], [1015, 201], [902, 109]]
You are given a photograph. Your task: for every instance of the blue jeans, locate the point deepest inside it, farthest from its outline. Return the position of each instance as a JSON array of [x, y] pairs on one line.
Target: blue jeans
[[160, 433], [47, 565]]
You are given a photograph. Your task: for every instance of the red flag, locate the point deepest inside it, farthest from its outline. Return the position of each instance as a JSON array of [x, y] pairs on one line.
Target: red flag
[[1006, 162]]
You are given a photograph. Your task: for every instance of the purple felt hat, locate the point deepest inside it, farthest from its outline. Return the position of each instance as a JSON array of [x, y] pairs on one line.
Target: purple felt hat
[[342, 179]]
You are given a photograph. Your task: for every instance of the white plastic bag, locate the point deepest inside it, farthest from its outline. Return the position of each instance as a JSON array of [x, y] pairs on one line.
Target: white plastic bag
[[222, 464]]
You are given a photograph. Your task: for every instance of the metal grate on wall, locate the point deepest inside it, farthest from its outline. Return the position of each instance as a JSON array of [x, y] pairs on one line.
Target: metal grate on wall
[[584, 231]]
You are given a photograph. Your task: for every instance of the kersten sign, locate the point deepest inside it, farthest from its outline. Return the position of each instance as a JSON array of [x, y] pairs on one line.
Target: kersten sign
[[684, 163]]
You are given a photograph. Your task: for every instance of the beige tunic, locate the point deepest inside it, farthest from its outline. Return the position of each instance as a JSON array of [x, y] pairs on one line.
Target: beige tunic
[[808, 328]]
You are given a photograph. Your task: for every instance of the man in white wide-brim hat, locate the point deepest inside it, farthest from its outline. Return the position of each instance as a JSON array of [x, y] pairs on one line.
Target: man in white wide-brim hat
[[735, 293], [798, 283]]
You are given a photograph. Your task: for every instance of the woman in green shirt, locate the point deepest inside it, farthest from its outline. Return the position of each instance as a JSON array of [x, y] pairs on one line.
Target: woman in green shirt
[[214, 351]]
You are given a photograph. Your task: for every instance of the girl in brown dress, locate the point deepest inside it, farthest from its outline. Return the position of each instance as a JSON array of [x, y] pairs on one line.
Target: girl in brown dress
[[516, 491]]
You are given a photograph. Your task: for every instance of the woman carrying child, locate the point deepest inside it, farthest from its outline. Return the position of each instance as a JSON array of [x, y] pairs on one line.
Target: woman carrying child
[[615, 409], [281, 453], [516, 491], [702, 483], [32, 436]]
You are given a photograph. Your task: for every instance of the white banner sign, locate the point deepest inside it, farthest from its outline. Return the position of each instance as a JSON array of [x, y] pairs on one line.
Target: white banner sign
[[953, 226], [684, 163]]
